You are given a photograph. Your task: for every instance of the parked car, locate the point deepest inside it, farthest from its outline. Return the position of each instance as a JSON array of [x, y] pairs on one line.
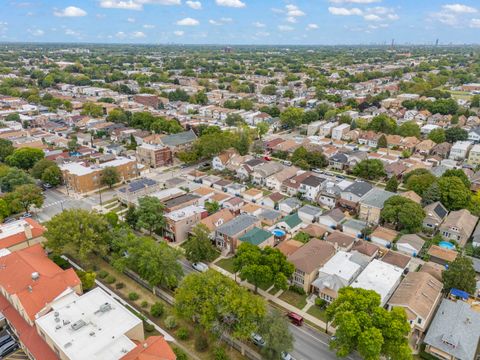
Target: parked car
[[257, 339], [286, 356], [200, 266], [46, 186], [25, 215], [7, 348], [318, 171], [267, 158], [287, 163], [295, 318]]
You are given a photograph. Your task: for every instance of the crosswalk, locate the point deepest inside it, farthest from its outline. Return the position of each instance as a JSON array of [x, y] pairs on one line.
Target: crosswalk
[[55, 203]]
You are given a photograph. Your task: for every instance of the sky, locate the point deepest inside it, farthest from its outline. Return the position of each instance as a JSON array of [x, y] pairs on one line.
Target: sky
[[232, 22]]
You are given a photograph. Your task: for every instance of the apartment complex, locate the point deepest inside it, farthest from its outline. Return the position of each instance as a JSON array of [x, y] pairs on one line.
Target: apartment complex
[[154, 156]]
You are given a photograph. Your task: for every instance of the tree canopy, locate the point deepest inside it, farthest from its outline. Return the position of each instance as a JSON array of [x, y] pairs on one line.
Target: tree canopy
[[150, 214], [199, 246], [460, 274], [370, 169], [24, 158], [404, 213]]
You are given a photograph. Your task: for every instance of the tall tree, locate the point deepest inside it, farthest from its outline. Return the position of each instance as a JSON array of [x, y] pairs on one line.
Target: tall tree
[[14, 177], [437, 135], [78, 233], [382, 142], [24, 158], [458, 173], [150, 214], [404, 213], [392, 184], [38, 169], [371, 169], [110, 176], [262, 267], [409, 128], [262, 128], [454, 134], [364, 326], [199, 246], [277, 336], [384, 124], [291, 117], [24, 196], [52, 175], [454, 195], [6, 149], [420, 183], [460, 275]]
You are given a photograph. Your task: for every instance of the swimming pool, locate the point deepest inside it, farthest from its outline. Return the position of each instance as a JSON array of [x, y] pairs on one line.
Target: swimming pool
[[278, 232], [446, 245]]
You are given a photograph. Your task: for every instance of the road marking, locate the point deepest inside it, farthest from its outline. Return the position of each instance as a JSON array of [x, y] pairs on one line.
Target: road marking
[[312, 336]]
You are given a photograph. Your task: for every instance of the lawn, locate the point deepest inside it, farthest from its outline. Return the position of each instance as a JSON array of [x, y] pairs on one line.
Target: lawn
[[297, 300], [318, 312], [226, 264], [274, 290]]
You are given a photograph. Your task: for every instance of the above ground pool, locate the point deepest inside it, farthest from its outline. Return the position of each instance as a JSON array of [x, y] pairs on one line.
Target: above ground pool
[[278, 232], [446, 245]]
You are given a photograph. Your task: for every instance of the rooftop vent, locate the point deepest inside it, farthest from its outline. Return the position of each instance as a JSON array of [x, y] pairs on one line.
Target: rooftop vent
[[35, 275], [78, 324], [105, 307], [67, 345]]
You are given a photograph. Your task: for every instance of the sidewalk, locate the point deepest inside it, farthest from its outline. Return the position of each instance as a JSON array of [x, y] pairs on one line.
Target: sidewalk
[[310, 318]]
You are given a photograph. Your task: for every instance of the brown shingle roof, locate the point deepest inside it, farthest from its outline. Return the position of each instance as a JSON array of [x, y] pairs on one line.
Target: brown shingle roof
[[289, 246], [312, 255], [315, 231], [365, 247], [340, 239], [396, 259], [443, 254]]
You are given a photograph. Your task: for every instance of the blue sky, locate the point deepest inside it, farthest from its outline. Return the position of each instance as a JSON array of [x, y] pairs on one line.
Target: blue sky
[[233, 22]]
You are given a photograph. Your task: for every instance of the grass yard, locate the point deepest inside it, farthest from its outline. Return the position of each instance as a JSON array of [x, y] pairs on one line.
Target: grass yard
[[226, 264], [274, 290], [320, 314], [297, 300]]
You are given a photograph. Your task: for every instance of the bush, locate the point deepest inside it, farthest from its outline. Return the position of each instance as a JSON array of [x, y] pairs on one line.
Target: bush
[[148, 327], [320, 303], [183, 333], [220, 354], [133, 296], [102, 274], [119, 285], [144, 304], [180, 354], [201, 342], [64, 264], [110, 279], [297, 289], [157, 309], [171, 322]]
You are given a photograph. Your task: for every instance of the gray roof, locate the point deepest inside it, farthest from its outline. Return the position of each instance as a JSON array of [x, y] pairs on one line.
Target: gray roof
[[180, 200], [138, 185], [439, 170], [476, 263], [234, 226], [355, 224], [335, 214], [340, 158], [292, 202], [310, 210], [476, 234], [313, 181], [359, 188], [329, 281], [269, 214], [182, 138], [376, 197], [437, 210], [413, 240], [455, 330]]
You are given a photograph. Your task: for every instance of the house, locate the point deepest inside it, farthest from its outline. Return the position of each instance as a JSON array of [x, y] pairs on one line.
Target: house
[[441, 255], [308, 260], [372, 204], [419, 294], [411, 195], [181, 221], [442, 150], [310, 187], [288, 247], [435, 214], [353, 193], [454, 332], [251, 208], [474, 155], [180, 141], [291, 223], [396, 259], [315, 231], [410, 244], [220, 162], [20, 234], [341, 241], [424, 147], [272, 200], [326, 129], [474, 134], [458, 226], [309, 214], [332, 218], [338, 272], [269, 217], [235, 189], [258, 237], [476, 236], [205, 194], [153, 348], [380, 277], [433, 269], [213, 221], [459, 150], [289, 205], [338, 161], [274, 182], [261, 173], [181, 201], [131, 192], [291, 186], [226, 235], [245, 170], [252, 195], [339, 131], [383, 236], [234, 204], [354, 227]]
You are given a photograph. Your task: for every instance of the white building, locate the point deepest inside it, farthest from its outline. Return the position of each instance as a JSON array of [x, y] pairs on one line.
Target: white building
[[339, 131], [93, 326], [381, 277], [326, 129], [459, 150]]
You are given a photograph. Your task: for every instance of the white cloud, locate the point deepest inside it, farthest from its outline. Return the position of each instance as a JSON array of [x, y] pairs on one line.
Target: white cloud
[[459, 8], [222, 21], [148, 26], [258, 24], [70, 11], [121, 4], [138, 34], [372, 17], [196, 5], [188, 22], [312, 27], [121, 35], [36, 32], [341, 11], [475, 23], [179, 33], [3, 27], [230, 3], [293, 10], [131, 20], [354, 1], [285, 28], [214, 22]]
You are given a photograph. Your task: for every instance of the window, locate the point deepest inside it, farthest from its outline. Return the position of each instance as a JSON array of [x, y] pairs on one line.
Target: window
[[419, 320]]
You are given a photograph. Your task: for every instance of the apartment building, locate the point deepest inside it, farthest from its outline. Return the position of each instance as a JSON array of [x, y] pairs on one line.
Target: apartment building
[[153, 155], [181, 221], [474, 155]]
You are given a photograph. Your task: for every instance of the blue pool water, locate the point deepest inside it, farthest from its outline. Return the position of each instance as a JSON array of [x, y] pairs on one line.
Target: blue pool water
[[278, 232], [446, 245]]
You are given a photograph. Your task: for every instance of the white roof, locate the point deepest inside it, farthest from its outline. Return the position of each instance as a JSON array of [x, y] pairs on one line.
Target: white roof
[[102, 325], [184, 213], [380, 277], [341, 266], [80, 169], [13, 228], [463, 145], [167, 193]]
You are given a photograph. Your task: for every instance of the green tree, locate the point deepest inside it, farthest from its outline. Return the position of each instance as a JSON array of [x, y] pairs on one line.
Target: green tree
[[24, 158], [364, 326], [110, 176], [219, 305], [234, 120], [52, 175], [409, 128], [475, 101], [199, 246], [384, 124], [78, 233], [277, 336], [269, 90], [458, 173], [150, 214], [431, 195], [87, 278], [392, 184], [454, 134], [291, 117], [92, 109], [24, 196], [6, 149], [13, 117], [14, 177], [242, 145], [41, 165], [212, 207], [4, 210], [404, 213], [420, 183], [460, 274], [382, 142], [370, 169], [262, 267], [454, 195], [73, 145], [117, 116], [437, 135], [262, 128], [131, 217]]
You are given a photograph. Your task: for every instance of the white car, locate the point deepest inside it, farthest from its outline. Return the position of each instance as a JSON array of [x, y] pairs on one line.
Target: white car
[[287, 356], [257, 339], [200, 266]]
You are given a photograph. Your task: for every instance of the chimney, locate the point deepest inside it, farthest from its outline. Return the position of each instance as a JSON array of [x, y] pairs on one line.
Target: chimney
[[28, 230]]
